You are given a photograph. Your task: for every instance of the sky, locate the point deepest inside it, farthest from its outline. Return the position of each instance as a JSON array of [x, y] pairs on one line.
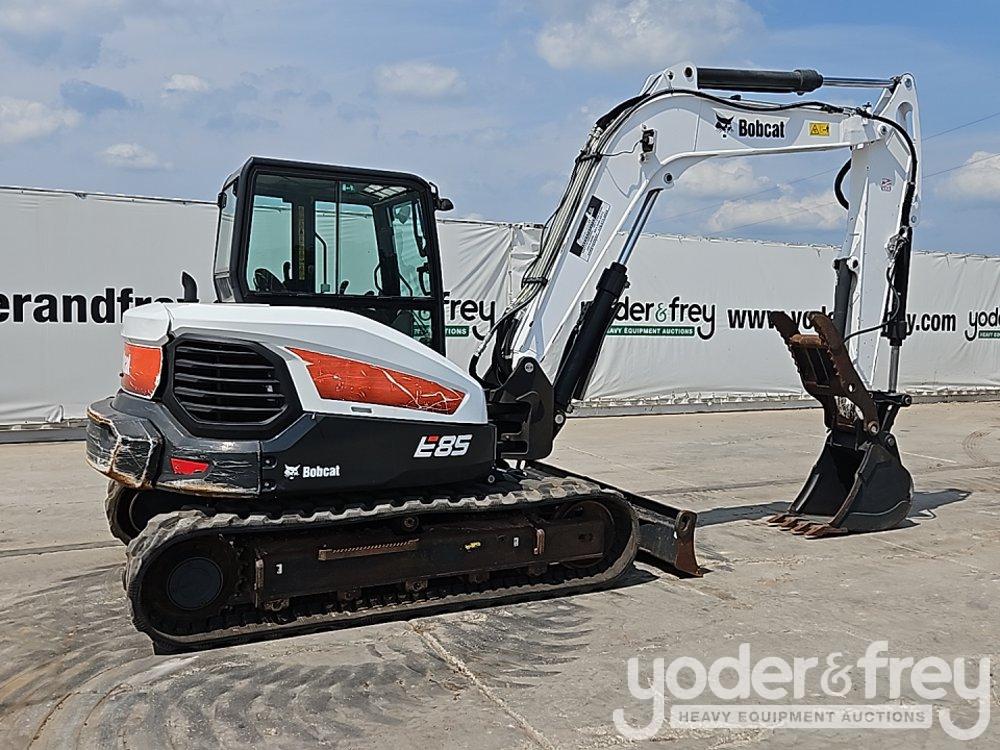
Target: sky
[[489, 100]]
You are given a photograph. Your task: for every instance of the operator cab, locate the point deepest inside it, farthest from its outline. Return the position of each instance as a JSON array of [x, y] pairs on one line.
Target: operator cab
[[313, 235]]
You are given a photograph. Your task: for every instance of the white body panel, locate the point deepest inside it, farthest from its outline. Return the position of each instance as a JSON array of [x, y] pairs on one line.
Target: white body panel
[[336, 332], [690, 129]]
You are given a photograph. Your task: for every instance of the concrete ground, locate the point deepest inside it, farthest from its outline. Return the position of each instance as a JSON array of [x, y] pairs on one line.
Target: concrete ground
[[546, 674]]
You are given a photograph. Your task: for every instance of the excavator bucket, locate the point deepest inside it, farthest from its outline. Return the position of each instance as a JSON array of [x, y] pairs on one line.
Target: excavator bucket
[[859, 483]]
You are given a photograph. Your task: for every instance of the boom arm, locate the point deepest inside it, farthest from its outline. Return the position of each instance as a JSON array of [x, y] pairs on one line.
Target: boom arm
[[642, 149]]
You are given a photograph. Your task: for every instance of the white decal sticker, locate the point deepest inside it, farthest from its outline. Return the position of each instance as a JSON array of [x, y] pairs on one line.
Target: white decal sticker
[[590, 228], [311, 472], [442, 446]]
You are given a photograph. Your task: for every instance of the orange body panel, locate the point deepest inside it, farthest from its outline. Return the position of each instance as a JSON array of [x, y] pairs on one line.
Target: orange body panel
[[345, 379], [141, 369]]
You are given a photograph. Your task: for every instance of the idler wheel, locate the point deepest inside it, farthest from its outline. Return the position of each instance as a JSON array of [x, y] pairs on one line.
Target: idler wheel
[[190, 582]]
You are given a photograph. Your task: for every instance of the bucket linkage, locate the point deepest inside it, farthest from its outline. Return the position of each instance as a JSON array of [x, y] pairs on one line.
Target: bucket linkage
[[858, 483]]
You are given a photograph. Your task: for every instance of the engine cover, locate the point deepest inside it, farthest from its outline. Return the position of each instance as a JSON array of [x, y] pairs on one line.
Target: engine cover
[[345, 404], [296, 334]]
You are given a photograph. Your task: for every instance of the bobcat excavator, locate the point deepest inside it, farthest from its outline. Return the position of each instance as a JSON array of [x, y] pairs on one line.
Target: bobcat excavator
[[304, 456]]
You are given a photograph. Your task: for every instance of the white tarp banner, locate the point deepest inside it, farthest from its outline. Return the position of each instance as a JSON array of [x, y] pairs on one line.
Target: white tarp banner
[[70, 264], [692, 328]]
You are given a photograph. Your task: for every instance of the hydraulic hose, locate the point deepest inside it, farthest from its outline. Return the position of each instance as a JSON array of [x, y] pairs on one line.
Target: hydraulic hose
[[838, 185]]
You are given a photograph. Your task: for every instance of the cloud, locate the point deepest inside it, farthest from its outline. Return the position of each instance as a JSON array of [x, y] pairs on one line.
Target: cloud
[[22, 120], [626, 33], [185, 83], [979, 181], [64, 32], [222, 106], [72, 33], [354, 112], [241, 121], [91, 99], [721, 178], [818, 211], [553, 188], [132, 156], [419, 80], [319, 99]]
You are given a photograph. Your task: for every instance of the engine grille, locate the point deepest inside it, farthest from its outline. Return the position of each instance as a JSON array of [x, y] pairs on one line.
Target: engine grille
[[225, 383]]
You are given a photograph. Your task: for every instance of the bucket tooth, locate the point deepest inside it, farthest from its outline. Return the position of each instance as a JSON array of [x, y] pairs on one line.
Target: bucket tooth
[[858, 483], [825, 529]]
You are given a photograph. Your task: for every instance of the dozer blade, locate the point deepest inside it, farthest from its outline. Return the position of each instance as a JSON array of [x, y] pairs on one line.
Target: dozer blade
[[858, 484]]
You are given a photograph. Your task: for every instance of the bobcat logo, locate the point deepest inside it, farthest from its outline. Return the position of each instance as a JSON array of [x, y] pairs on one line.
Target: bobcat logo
[[292, 472], [724, 124]]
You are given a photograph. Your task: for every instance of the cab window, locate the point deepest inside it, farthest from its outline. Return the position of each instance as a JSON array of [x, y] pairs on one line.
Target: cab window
[[356, 241]]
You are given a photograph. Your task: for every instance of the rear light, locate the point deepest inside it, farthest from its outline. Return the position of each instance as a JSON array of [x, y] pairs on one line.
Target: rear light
[[141, 369], [343, 379], [186, 466]]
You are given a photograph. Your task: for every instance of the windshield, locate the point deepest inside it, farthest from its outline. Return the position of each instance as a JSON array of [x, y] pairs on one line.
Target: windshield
[[337, 237]]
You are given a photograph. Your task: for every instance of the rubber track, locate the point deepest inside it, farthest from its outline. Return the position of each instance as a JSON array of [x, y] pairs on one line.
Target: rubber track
[[111, 501], [254, 624]]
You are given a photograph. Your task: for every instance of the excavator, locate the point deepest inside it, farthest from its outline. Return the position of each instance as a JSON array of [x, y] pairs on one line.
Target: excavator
[[302, 455]]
